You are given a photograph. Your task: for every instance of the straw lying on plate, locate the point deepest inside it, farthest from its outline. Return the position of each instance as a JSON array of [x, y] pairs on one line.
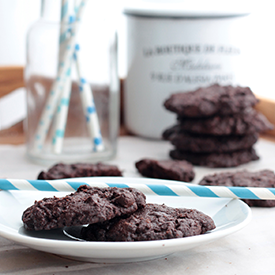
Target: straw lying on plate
[[256, 193]]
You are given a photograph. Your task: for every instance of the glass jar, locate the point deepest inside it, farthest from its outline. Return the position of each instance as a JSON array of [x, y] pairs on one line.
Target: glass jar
[[72, 84]]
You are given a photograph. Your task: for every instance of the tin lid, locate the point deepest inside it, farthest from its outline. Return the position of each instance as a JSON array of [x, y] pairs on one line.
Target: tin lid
[[188, 8]]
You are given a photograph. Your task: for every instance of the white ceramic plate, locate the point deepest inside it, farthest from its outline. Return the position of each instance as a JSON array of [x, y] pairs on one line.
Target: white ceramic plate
[[229, 216]]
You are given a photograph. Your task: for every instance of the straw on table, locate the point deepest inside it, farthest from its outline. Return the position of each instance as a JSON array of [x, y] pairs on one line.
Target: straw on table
[[256, 193]]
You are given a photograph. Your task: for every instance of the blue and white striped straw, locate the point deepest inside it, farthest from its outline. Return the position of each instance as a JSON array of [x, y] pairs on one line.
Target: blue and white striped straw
[[85, 90], [57, 87], [256, 193], [88, 104], [62, 111]]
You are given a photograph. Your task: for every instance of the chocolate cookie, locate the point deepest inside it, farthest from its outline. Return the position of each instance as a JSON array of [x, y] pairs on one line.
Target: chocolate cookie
[[154, 222], [210, 101], [210, 144], [263, 178], [248, 122], [62, 171], [231, 159], [85, 206], [166, 169]]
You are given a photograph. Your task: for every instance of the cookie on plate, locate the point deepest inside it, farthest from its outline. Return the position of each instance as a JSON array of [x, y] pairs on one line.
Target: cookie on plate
[[166, 169], [210, 101], [230, 159], [62, 171], [244, 178], [248, 122], [210, 144], [153, 222], [85, 206]]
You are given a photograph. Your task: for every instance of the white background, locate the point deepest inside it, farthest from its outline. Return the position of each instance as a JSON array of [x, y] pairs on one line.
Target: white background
[[16, 16]]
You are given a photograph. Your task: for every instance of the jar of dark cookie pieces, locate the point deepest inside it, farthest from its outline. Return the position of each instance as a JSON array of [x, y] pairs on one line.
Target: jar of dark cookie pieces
[[72, 84]]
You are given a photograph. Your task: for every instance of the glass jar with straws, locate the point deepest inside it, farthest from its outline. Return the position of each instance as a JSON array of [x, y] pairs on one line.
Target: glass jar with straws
[[72, 84]]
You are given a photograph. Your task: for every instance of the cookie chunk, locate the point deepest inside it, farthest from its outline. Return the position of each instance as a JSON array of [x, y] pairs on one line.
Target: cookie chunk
[[87, 205], [169, 132], [248, 122], [231, 159], [210, 144], [62, 171], [210, 101], [166, 169], [263, 178], [154, 222]]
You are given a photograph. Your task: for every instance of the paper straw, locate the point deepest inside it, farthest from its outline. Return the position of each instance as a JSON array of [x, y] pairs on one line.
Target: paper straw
[[62, 110], [85, 92], [61, 117], [76, 5], [88, 104], [64, 29], [87, 100], [256, 193], [57, 87]]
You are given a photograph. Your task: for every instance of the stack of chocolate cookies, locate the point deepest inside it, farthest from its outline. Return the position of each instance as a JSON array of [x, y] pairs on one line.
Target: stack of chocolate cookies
[[216, 126]]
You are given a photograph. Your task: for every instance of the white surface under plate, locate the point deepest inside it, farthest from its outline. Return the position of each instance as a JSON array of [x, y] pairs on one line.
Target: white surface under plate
[[228, 215]]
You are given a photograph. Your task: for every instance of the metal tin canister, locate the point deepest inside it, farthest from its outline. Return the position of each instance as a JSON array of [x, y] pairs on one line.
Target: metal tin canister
[[173, 50]]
